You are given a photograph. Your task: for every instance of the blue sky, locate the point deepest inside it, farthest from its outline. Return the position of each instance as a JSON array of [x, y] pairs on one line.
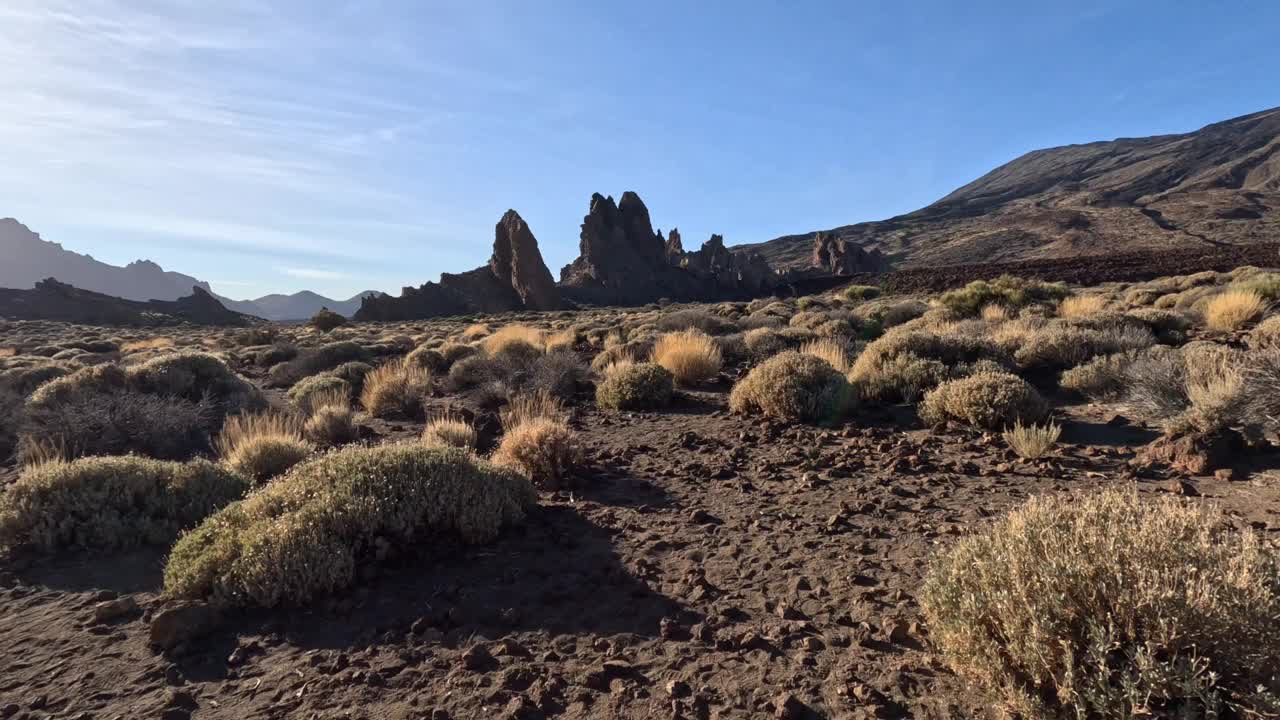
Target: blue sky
[[343, 146]]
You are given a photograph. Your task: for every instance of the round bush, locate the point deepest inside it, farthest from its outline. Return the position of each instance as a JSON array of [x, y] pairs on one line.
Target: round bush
[[331, 425], [112, 503], [449, 432], [306, 391], [307, 533], [1106, 606], [542, 449], [262, 458], [645, 386], [793, 386], [325, 320], [989, 400]]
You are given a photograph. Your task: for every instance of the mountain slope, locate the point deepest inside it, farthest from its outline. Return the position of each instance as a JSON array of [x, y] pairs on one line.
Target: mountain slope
[[1217, 185], [29, 259], [298, 306]]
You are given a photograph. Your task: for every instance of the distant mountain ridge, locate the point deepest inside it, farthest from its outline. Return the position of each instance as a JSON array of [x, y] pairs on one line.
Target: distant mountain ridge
[[29, 259], [1214, 186]]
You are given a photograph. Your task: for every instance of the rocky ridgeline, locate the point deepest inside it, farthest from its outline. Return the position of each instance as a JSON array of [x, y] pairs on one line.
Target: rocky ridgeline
[[622, 261], [53, 300]]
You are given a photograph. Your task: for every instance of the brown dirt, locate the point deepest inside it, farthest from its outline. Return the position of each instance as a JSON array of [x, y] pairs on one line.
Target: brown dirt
[[708, 565]]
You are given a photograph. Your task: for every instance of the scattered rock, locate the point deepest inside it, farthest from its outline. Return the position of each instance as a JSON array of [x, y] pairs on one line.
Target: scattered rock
[[789, 707], [179, 624], [114, 609], [477, 658]]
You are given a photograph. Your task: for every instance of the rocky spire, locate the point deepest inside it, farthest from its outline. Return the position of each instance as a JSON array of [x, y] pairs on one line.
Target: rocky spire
[[518, 263]]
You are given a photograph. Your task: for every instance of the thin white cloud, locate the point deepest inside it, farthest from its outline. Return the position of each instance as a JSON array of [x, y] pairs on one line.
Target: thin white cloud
[[313, 273]]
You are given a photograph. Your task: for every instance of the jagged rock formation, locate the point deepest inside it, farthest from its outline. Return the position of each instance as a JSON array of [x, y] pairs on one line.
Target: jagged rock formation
[[624, 262], [53, 300], [514, 279], [1217, 185], [834, 256], [517, 262], [675, 248]]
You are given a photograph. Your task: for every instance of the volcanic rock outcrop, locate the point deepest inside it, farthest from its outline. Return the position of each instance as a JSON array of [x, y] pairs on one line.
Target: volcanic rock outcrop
[[624, 262], [53, 300], [834, 255], [514, 279]]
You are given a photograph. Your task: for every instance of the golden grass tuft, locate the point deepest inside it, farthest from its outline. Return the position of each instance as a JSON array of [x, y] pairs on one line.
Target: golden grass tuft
[[158, 343], [543, 449], [1082, 306], [1104, 605], [449, 431], [994, 313], [690, 356], [831, 351], [1032, 441], [510, 337], [396, 390], [563, 340], [331, 425], [1233, 310], [262, 446], [531, 406], [475, 332]]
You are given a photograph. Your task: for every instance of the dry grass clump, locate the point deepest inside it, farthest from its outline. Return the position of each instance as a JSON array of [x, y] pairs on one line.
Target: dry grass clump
[[832, 351], [690, 356], [1059, 345], [452, 352], [262, 446], [475, 332], [1266, 333], [449, 432], [1032, 441], [305, 394], [156, 343], [111, 503], [311, 531], [1107, 606], [1201, 384], [396, 390], [859, 293], [542, 449], [695, 319], [990, 400], [531, 406], [763, 342], [430, 358], [1082, 306], [1106, 376], [517, 339], [1233, 310], [793, 386], [643, 386], [326, 320], [562, 341], [331, 423]]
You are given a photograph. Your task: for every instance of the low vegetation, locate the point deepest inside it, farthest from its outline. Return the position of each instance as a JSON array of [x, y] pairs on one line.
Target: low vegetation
[[989, 400], [793, 386], [312, 531], [635, 386], [1105, 606]]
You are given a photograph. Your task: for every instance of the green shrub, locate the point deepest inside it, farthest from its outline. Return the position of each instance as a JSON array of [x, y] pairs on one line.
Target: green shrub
[[1106, 606], [763, 342], [903, 377], [793, 386], [1265, 284], [112, 503], [196, 377], [309, 532], [1011, 292], [314, 361], [858, 293], [986, 400], [353, 373], [643, 386]]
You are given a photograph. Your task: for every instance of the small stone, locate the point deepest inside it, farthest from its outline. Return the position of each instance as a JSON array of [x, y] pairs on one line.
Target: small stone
[[112, 609], [1182, 487], [478, 659], [789, 707], [678, 688], [702, 517], [181, 624]]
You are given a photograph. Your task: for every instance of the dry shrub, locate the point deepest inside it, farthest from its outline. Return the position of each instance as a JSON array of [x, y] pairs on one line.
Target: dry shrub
[[475, 332], [1104, 377], [115, 423], [312, 531], [331, 424], [306, 392], [197, 377], [262, 446], [994, 313], [449, 432], [533, 406], [690, 356], [111, 503], [643, 386], [396, 390], [1265, 284], [621, 352], [1058, 345], [157, 343], [1082, 306], [900, 378], [315, 360], [562, 341], [452, 352], [326, 320], [517, 339], [542, 449], [1266, 333], [1105, 606], [859, 293], [909, 360], [832, 351], [763, 342], [793, 386], [429, 358], [1201, 384], [1032, 441], [694, 319], [1233, 309], [990, 400]]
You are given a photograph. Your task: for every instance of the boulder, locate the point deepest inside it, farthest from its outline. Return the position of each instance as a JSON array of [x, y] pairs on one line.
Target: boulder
[[517, 263], [1194, 452], [179, 624], [834, 255]]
